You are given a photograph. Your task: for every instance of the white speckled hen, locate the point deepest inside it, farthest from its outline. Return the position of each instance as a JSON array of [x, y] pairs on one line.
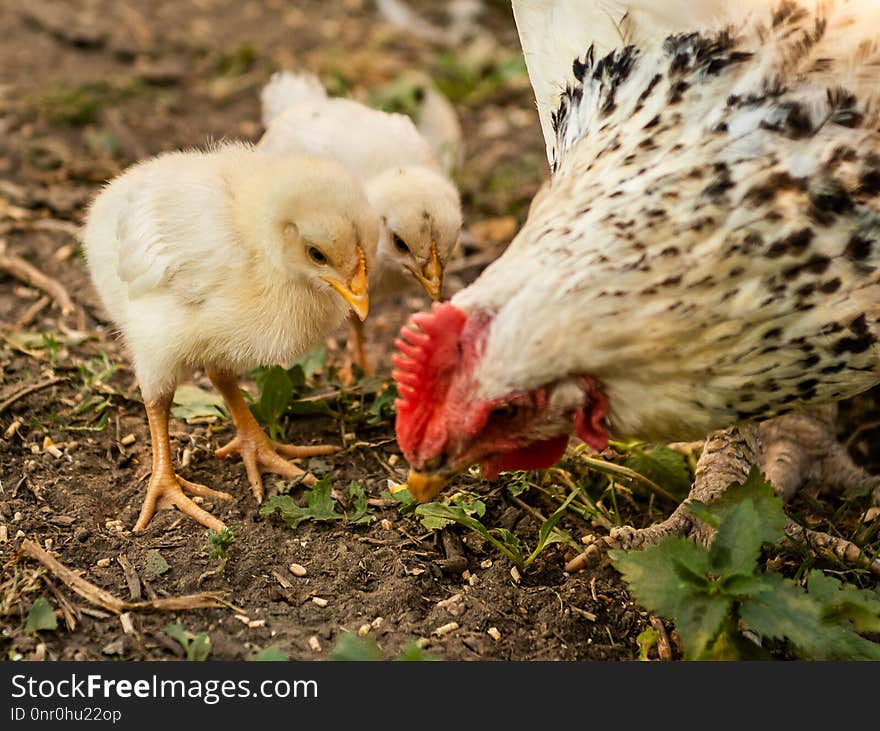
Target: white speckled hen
[[416, 201], [705, 254], [226, 260]]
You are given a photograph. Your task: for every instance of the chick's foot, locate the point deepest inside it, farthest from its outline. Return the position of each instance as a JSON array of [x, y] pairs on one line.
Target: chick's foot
[[258, 452], [166, 489]]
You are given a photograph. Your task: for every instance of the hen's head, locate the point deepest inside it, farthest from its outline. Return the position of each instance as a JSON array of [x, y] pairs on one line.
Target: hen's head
[[449, 419], [421, 211]]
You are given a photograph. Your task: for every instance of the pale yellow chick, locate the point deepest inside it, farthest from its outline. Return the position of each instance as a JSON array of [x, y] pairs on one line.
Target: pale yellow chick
[[226, 260]]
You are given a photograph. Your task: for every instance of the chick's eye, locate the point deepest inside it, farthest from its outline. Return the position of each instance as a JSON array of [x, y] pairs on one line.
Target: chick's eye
[[317, 256], [400, 244]]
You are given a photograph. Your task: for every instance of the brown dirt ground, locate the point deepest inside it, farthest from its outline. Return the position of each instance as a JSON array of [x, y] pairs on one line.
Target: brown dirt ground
[[86, 88]]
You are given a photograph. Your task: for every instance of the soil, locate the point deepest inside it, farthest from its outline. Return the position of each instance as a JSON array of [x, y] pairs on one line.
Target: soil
[[90, 86]]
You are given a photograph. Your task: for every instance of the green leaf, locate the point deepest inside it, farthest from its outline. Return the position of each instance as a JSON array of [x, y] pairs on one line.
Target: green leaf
[[665, 575], [320, 507], [760, 492], [699, 619], [41, 616], [351, 648], [284, 505], [220, 542], [155, 564], [192, 402], [413, 653], [438, 515], [312, 362], [360, 513], [321, 504], [272, 653], [646, 640], [789, 613], [737, 542], [311, 408], [176, 632], [664, 467], [470, 503], [276, 393], [199, 648], [548, 534], [382, 407], [845, 602]]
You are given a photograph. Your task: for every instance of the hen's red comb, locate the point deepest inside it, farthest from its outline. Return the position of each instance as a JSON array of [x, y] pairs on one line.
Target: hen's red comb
[[424, 364]]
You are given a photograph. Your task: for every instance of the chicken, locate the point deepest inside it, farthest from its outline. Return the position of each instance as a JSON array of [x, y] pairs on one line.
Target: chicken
[[418, 205], [226, 259], [705, 254]]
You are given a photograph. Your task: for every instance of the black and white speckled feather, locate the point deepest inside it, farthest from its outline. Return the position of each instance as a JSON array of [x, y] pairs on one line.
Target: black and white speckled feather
[[708, 246]]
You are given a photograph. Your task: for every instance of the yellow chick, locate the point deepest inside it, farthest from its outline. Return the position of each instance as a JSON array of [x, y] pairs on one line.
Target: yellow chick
[[417, 202], [226, 259]]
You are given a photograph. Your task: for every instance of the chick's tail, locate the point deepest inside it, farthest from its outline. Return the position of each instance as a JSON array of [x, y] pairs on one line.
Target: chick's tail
[[287, 89]]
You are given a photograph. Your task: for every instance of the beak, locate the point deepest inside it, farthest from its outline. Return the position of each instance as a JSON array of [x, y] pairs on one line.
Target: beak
[[431, 277], [355, 292], [424, 487]]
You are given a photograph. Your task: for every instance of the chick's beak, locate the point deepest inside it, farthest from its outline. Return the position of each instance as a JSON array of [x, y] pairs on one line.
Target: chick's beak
[[431, 277], [355, 292], [424, 487]]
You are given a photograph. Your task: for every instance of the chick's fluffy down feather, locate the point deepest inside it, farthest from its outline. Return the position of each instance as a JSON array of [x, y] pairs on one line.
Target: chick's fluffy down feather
[[202, 258]]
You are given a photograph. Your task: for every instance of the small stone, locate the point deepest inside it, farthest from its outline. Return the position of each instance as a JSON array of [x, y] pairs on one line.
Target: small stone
[[102, 563], [514, 574], [494, 633], [376, 623], [487, 564], [128, 439], [319, 601], [297, 569], [17, 517], [314, 644], [364, 630], [386, 524], [393, 460]]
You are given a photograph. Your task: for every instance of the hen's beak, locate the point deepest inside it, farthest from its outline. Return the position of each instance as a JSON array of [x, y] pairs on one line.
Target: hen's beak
[[424, 487], [431, 277], [355, 292]]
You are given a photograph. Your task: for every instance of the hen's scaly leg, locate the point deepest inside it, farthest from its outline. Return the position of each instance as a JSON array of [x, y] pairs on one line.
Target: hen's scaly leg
[[166, 488], [258, 452], [792, 450]]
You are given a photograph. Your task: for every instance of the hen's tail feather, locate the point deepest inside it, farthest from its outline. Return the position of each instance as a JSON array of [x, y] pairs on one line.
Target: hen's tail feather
[[287, 89]]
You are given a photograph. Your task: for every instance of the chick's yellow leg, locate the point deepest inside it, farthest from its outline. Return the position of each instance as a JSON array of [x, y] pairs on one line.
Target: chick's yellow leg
[[166, 488], [258, 452]]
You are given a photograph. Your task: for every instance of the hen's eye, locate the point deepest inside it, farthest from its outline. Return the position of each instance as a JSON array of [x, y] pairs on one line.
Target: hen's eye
[[504, 412], [399, 244], [317, 256]]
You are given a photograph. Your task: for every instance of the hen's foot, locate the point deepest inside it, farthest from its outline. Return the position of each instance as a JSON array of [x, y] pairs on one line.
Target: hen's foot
[[258, 452], [792, 450], [166, 490]]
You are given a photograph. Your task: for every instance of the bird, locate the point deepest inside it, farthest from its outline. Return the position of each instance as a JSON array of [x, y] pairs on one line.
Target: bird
[[225, 259], [705, 253], [418, 204]]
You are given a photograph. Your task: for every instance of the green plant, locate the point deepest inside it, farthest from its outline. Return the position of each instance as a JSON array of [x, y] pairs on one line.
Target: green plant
[[465, 510], [351, 648], [197, 647], [219, 543], [320, 506], [720, 601], [41, 617]]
